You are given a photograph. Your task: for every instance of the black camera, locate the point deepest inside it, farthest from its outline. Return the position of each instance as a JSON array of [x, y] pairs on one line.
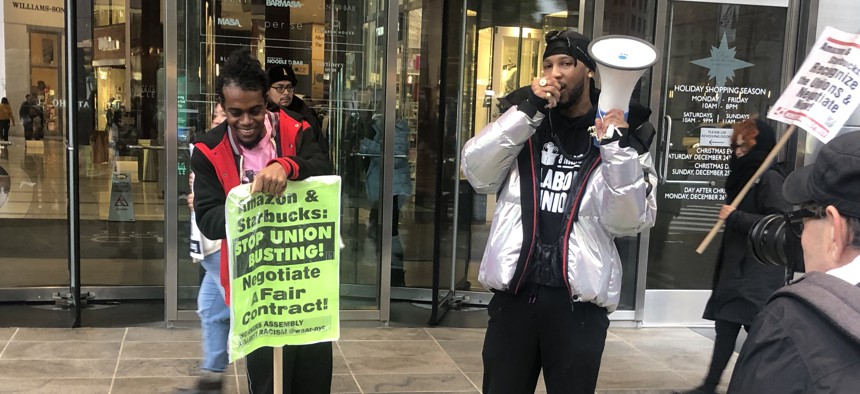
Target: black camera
[[773, 242]]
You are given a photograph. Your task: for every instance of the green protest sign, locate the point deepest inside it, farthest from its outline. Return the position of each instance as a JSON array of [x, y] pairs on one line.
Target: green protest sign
[[284, 276]]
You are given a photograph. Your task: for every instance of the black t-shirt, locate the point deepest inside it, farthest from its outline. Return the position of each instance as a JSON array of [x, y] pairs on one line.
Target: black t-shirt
[[565, 143]]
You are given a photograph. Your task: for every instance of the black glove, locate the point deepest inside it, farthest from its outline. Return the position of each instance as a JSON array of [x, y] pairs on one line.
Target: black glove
[[533, 104], [639, 139], [620, 134]]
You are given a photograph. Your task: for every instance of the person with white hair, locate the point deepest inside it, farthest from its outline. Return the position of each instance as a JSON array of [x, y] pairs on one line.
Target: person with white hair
[[807, 338]]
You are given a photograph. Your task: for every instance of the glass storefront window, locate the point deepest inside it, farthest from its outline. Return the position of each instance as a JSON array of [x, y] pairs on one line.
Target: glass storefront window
[[109, 12], [723, 63]]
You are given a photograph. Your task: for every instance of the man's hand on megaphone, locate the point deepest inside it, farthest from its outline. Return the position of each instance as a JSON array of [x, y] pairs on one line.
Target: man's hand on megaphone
[[611, 126]]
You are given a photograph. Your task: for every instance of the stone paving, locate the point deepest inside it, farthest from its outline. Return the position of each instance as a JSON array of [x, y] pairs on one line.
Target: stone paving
[[366, 360]]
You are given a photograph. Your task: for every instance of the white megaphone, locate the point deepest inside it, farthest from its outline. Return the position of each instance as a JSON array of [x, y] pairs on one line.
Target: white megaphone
[[621, 61]]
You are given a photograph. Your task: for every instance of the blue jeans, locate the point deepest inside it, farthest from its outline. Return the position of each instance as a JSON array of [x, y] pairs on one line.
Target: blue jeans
[[214, 315]]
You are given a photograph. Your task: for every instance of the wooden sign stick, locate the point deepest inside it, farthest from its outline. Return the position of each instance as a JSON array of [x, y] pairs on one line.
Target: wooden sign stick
[[278, 372], [764, 166]]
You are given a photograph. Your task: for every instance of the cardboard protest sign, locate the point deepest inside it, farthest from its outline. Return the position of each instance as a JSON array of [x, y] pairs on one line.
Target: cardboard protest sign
[[284, 274], [824, 93]]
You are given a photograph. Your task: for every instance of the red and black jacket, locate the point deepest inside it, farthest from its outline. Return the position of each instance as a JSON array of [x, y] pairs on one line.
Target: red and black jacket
[[216, 166]]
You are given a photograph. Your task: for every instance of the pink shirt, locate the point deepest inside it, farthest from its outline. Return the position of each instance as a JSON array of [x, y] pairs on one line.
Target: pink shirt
[[255, 159]]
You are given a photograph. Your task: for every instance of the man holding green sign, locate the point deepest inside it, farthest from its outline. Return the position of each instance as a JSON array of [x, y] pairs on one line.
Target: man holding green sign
[[266, 150], [283, 265]]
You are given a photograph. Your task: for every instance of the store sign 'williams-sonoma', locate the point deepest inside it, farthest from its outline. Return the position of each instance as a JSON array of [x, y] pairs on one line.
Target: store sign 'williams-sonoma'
[[38, 7]]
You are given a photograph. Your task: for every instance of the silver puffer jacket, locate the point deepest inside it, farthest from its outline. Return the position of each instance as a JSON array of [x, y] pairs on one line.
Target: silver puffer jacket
[[617, 201]]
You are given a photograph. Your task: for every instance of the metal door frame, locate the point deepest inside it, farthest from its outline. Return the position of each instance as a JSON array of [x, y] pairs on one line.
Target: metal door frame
[[659, 307]]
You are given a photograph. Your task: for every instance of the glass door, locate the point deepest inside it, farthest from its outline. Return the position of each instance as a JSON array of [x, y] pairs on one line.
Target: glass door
[[85, 204], [721, 63], [121, 175], [34, 218]]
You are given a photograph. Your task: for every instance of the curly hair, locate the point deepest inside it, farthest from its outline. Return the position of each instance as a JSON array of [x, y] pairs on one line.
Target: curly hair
[[244, 71], [747, 130]]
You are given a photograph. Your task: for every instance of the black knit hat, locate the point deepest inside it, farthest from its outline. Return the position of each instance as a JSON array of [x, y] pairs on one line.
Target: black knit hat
[[282, 73], [834, 178], [569, 42]]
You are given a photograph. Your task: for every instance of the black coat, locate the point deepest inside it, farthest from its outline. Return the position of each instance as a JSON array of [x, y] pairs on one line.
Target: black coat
[[741, 284], [309, 115], [806, 340]]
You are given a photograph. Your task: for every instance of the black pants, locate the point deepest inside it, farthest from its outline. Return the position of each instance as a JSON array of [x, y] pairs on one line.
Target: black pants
[[307, 369], [724, 346], [540, 328], [398, 274], [4, 129], [28, 130]]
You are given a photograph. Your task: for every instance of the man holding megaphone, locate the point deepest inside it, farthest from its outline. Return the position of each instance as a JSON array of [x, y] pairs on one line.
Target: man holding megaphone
[[567, 184]]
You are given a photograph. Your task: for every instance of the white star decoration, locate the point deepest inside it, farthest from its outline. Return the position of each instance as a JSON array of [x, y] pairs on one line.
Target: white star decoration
[[722, 63]]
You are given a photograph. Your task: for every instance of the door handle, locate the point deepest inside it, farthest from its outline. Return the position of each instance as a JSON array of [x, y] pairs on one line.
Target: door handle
[[667, 134], [377, 155], [150, 147]]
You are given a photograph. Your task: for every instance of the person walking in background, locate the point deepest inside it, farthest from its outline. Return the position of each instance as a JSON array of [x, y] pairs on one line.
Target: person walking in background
[[807, 337], [37, 119], [402, 188], [211, 304], [282, 94], [24, 115], [742, 284], [7, 118], [266, 150], [566, 187]]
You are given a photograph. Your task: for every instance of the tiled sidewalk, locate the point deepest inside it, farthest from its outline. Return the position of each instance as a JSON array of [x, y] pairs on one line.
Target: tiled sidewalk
[[366, 360]]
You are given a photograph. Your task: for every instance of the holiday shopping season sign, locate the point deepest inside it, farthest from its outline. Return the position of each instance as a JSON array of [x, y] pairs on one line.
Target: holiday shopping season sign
[[824, 93], [284, 273]]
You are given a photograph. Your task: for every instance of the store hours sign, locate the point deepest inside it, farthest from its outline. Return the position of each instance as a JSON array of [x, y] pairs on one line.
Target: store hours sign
[[708, 92]]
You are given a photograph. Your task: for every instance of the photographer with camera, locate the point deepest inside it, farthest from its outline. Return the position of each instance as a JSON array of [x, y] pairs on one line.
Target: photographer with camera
[[807, 338], [741, 284]]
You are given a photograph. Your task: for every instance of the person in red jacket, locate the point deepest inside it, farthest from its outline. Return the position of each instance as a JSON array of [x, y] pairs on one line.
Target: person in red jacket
[[266, 150]]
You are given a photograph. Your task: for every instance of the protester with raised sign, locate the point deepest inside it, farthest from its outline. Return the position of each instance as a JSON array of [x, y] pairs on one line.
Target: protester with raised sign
[[807, 338], [741, 284], [267, 150]]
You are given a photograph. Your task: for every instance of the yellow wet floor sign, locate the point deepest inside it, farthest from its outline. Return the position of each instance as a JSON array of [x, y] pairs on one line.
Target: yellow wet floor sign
[[121, 201]]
